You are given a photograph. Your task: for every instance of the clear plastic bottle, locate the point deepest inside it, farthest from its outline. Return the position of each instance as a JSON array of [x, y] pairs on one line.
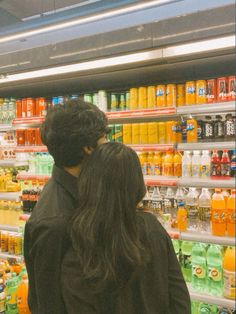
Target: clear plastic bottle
[[191, 203], [199, 267], [176, 247], [196, 164], [186, 260], [205, 164], [204, 210], [156, 203], [187, 164], [215, 270], [168, 201]]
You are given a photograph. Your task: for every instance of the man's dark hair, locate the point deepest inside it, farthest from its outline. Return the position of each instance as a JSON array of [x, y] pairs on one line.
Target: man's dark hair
[[70, 127]]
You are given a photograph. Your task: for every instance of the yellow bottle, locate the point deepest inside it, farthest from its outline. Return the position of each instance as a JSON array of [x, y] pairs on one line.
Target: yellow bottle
[[177, 165], [157, 161], [150, 164], [152, 132], [168, 165], [143, 162]]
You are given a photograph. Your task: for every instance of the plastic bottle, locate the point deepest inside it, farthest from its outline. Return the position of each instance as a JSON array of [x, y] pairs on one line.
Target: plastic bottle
[[218, 127], [150, 164], [196, 164], [177, 164], [187, 164], [186, 260], [22, 294], [215, 164], [229, 127], [191, 203], [215, 270], [156, 203], [176, 247], [192, 130], [218, 214], [195, 307], [11, 295], [229, 273], [157, 164], [233, 164], [205, 164], [208, 128], [225, 164], [225, 194], [143, 162], [2, 299], [168, 207], [181, 217], [207, 309], [168, 165], [199, 267], [204, 210], [230, 220]]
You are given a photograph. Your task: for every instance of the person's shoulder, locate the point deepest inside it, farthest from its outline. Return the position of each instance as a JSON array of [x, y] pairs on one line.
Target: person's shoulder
[[151, 225]]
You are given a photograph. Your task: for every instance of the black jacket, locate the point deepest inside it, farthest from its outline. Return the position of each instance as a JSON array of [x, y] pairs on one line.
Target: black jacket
[[159, 288], [46, 241]]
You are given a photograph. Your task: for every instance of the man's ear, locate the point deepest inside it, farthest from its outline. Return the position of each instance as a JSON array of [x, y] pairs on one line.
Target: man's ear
[[88, 150]]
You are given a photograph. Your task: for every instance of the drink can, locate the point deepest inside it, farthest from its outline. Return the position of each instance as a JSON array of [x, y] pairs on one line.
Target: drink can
[[171, 132], [38, 140], [143, 133], [211, 91], [114, 102], [122, 102], [102, 100], [161, 96], [133, 98], [152, 133], [190, 93], [222, 89], [4, 241], [142, 97], [24, 108], [161, 132], [118, 135], [88, 98], [231, 88], [180, 101], [60, 100], [171, 95], [201, 92], [18, 108], [11, 243], [18, 244], [127, 133], [135, 133], [127, 100], [151, 95]]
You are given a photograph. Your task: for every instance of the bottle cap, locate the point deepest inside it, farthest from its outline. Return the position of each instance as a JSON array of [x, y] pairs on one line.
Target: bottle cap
[[217, 190]]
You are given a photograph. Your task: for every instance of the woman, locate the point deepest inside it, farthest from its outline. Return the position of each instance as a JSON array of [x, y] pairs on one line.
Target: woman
[[121, 259]]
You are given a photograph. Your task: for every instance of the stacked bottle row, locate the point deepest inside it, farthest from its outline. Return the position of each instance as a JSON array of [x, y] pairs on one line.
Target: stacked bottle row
[[193, 210], [209, 268], [30, 137], [10, 205], [11, 242], [8, 182], [204, 308], [7, 144], [13, 288], [30, 195]]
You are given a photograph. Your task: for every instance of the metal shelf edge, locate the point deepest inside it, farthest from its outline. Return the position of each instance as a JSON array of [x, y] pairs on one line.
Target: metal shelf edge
[[10, 196], [207, 145], [11, 256], [198, 182], [207, 108]]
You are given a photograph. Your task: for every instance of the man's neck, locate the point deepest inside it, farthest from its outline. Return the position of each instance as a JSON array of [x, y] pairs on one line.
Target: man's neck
[[74, 171]]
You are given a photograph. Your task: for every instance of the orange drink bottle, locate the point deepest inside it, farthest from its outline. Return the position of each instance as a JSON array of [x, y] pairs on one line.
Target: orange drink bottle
[[231, 88], [143, 162], [161, 96], [222, 89], [180, 98], [231, 214], [135, 133], [157, 161], [18, 108], [171, 95], [225, 193], [177, 171], [192, 130], [24, 108], [190, 93], [229, 273], [143, 133], [150, 164], [152, 132], [22, 294], [127, 133], [161, 132], [168, 165], [178, 132], [151, 97], [171, 132], [142, 97], [133, 98], [30, 104], [201, 92], [218, 213], [181, 217]]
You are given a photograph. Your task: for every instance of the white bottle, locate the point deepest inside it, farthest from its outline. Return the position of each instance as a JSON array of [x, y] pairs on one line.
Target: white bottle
[[205, 164], [204, 210], [187, 164], [156, 203], [196, 164], [191, 205]]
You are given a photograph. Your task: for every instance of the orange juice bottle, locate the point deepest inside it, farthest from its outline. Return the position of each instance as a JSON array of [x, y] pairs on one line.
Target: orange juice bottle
[[143, 162], [151, 97], [171, 95], [152, 132], [142, 97], [190, 93], [229, 273], [161, 96], [181, 217], [218, 221], [168, 165], [180, 101], [22, 294], [135, 133], [133, 98], [127, 133], [177, 172], [157, 161], [143, 133], [150, 164], [171, 132], [225, 193], [161, 132], [231, 214], [192, 130]]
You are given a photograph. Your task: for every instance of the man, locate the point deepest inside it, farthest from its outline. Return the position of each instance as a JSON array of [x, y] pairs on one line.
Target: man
[[70, 133]]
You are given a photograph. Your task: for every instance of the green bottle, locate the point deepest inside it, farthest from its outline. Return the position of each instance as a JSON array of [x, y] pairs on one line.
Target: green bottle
[[186, 260], [11, 295], [215, 270]]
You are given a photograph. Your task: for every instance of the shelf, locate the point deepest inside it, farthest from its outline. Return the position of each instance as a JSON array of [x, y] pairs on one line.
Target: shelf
[[5, 127], [10, 228], [160, 181], [210, 299], [32, 177], [140, 114], [230, 145], [11, 256], [13, 163], [31, 149], [207, 183], [203, 237], [152, 147], [10, 196], [28, 121], [228, 106]]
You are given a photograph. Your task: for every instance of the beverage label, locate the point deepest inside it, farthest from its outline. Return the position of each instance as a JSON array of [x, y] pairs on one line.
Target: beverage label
[[168, 204], [144, 169], [190, 90], [199, 129], [204, 213], [156, 206], [187, 170], [205, 170], [229, 128], [195, 170], [208, 130], [168, 169], [229, 284], [177, 170], [157, 169], [199, 271], [225, 169], [219, 129], [215, 273], [215, 169], [218, 216], [192, 211], [186, 261]]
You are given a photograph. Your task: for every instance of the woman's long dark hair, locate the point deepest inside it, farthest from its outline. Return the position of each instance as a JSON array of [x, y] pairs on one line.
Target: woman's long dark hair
[[105, 232]]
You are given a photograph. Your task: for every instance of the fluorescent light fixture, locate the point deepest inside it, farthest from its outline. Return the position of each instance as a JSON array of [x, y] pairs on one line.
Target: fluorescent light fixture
[[83, 20], [155, 54]]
